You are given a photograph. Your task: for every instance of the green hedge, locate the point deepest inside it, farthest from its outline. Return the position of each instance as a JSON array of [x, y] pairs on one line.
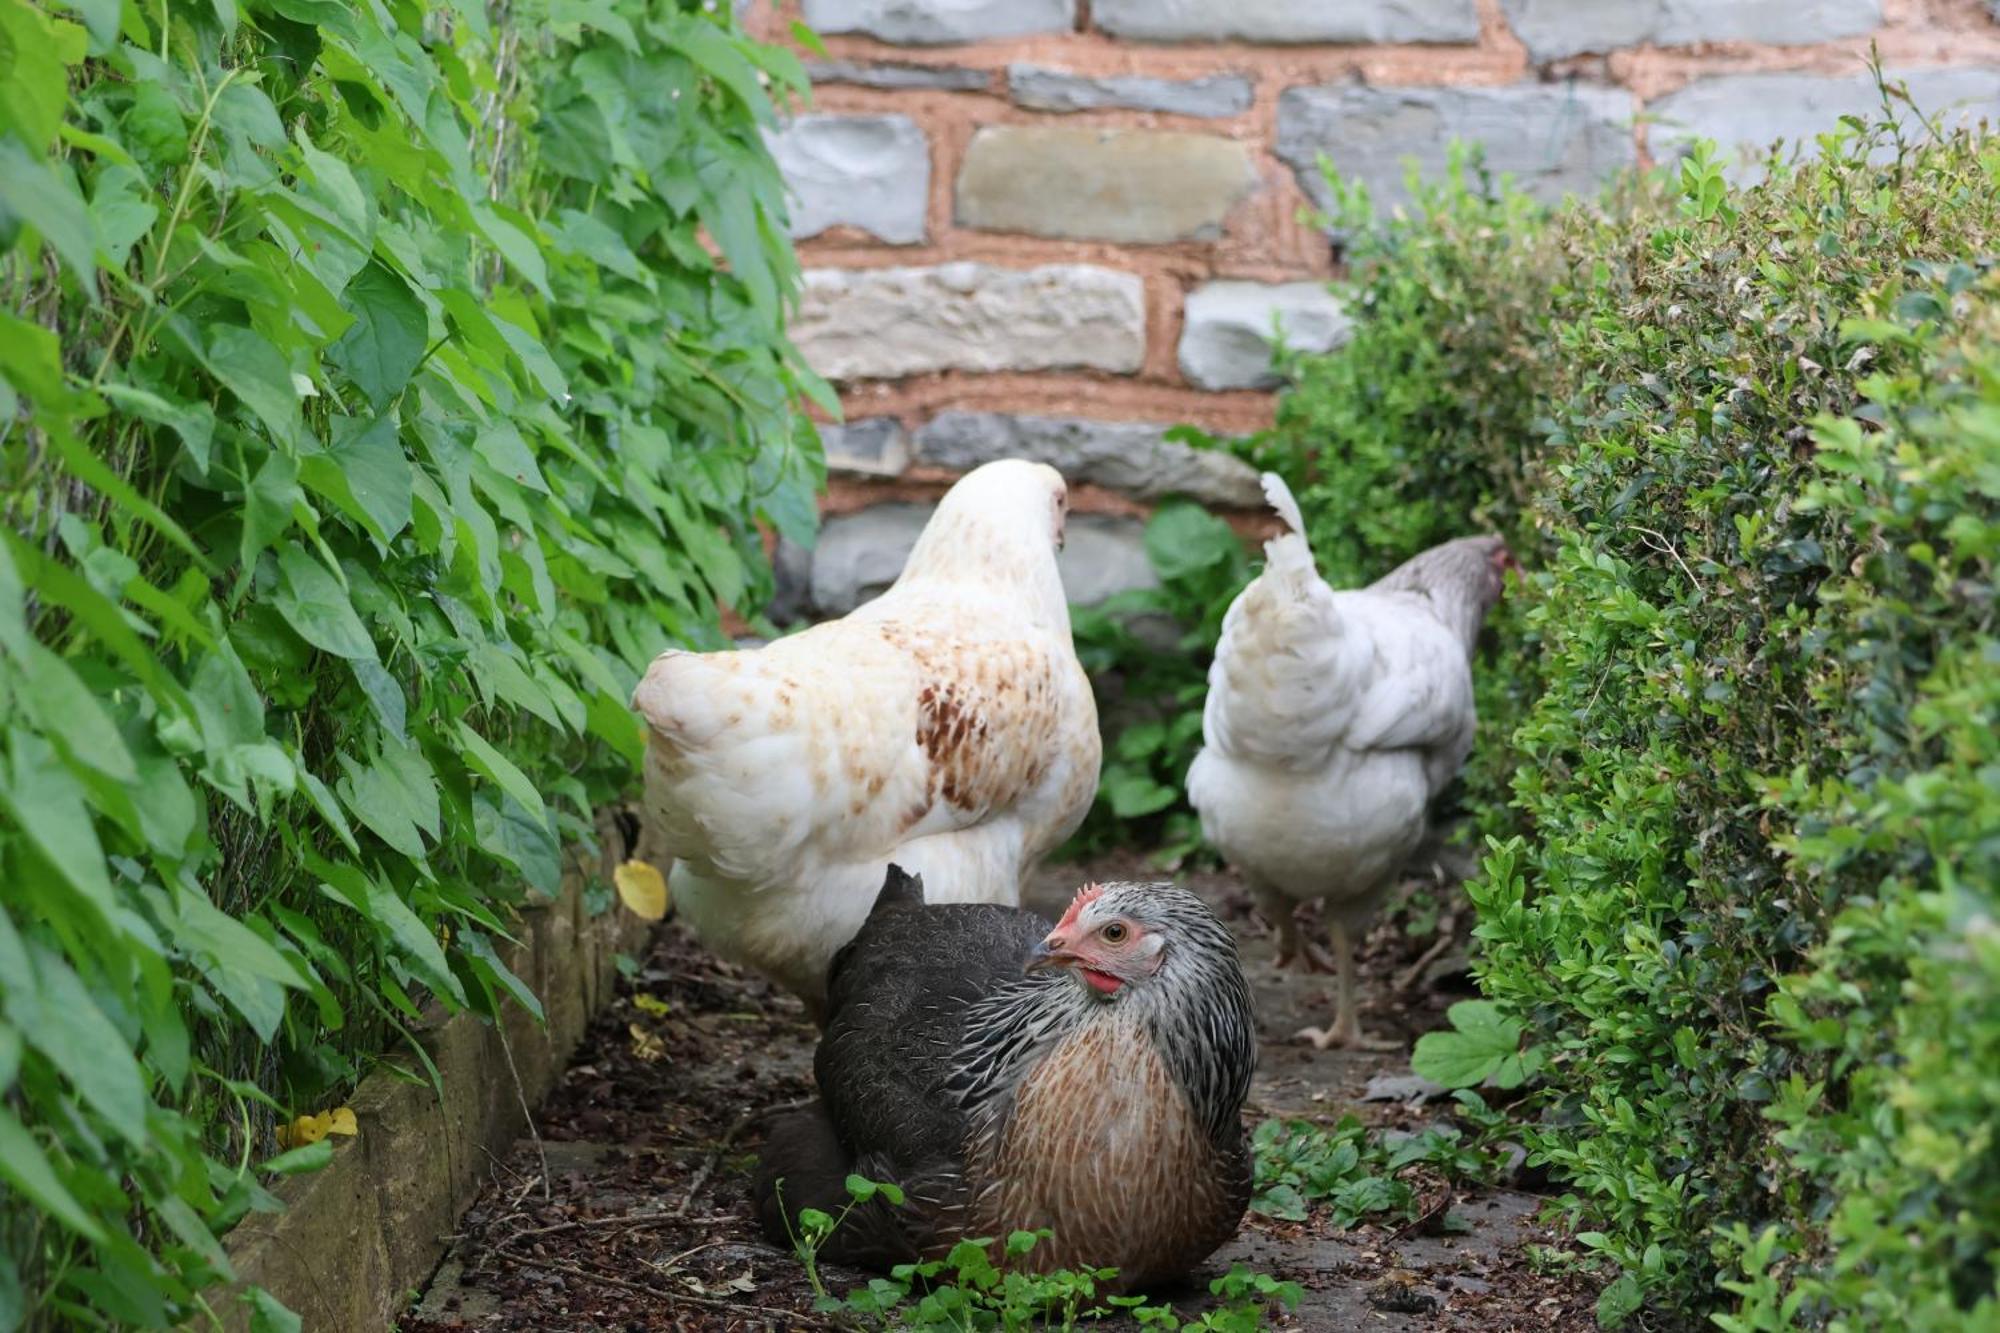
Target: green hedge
[[1745, 737], [1754, 920], [374, 407]]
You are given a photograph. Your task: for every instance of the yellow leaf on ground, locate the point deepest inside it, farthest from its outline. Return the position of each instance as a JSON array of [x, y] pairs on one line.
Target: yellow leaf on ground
[[641, 888], [651, 1004], [308, 1129], [646, 1045]]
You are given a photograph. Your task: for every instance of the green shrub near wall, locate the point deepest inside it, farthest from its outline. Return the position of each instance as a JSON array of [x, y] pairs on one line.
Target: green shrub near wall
[[1754, 920], [1744, 715], [372, 407]]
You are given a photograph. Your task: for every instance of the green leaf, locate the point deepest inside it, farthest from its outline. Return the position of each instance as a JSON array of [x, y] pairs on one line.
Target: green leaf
[[1134, 793], [268, 1314], [250, 367], [226, 942], [513, 244], [395, 796], [324, 801], [71, 714], [62, 1021], [244, 109], [35, 51], [31, 360], [1485, 1043], [335, 184], [400, 924], [269, 504], [485, 759], [502, 446], [299, 1161], [365, 473], [193, 422], [24, 1166], [385, 696], [312, 602], [48, 809], [496, 973], [385, 344], [88, 468], [45, 197], [1184, 538], [534, 357]]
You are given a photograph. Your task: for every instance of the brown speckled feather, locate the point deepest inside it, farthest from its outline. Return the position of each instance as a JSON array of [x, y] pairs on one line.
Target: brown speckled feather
[[1103, 1149]]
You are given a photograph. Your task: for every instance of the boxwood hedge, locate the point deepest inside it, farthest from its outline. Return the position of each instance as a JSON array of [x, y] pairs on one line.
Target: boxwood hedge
[[381, 384], [1749, 439], [1754, 918]]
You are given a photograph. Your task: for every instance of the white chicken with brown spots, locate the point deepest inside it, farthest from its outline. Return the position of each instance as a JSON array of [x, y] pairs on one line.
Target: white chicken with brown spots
[[1333, 720], [946, 726]]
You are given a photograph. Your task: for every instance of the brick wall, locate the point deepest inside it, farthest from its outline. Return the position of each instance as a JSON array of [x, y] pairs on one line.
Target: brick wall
[[1056, 227]]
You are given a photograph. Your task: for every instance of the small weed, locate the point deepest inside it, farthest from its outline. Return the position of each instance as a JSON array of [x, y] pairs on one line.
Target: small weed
[[966, 1290], [1356, 1174]]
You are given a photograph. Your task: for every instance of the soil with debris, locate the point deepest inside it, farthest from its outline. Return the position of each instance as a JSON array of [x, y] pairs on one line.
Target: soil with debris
[[633, 1211]]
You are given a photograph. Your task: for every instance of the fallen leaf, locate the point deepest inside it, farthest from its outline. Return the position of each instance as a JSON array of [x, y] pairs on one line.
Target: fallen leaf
[[310, 1129], [646, 1045], [642, 889], [651, 1004]]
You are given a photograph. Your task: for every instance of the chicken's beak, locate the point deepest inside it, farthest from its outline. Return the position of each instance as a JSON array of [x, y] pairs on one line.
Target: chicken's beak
[[1051, 952]]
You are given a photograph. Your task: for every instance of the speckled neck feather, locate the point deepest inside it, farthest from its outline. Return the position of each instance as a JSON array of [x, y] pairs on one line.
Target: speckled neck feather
[[1196, 1009]]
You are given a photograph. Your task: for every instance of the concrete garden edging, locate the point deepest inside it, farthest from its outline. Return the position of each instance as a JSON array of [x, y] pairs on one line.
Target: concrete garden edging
[[357, 1238]]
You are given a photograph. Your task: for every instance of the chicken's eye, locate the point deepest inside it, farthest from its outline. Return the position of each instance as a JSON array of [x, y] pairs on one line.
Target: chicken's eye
[[1114, 933]]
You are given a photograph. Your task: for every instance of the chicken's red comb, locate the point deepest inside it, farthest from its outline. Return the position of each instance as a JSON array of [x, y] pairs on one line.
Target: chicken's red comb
[[1084, 897]]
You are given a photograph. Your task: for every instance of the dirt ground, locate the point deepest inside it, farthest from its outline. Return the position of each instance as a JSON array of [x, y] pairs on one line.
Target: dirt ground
[[632, 1212]]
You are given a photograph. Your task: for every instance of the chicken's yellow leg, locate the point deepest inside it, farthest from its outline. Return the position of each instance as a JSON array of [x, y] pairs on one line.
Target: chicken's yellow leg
[[1346, 1031]]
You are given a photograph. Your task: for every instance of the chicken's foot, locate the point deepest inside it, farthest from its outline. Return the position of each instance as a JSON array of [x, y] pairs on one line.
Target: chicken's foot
[[1293, 946], [1345, 1031]]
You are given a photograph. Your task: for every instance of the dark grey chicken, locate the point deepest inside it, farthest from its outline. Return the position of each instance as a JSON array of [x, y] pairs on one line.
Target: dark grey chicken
[[1087, 1078]]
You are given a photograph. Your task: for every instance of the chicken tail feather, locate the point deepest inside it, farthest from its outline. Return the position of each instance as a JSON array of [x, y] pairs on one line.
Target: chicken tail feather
[[1279, 497], [804, 1165], [1289, 555], [899, 889]]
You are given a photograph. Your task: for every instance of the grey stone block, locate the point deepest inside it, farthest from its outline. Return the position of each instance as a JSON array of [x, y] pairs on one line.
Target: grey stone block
[[1134, 457], [1137, 186], [861, 554], [890, 74], [1227, 331], [1401, 1088], [871, 172], [1554, 139], [1289, 21], [1552, 29], [870, 447], [1740, 111], [889, 322], [939, 22], [1057, 90], [1103, 556]]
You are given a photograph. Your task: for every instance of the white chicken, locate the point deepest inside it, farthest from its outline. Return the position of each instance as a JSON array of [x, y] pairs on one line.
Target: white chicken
[[1333, 720], [946, 726]]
